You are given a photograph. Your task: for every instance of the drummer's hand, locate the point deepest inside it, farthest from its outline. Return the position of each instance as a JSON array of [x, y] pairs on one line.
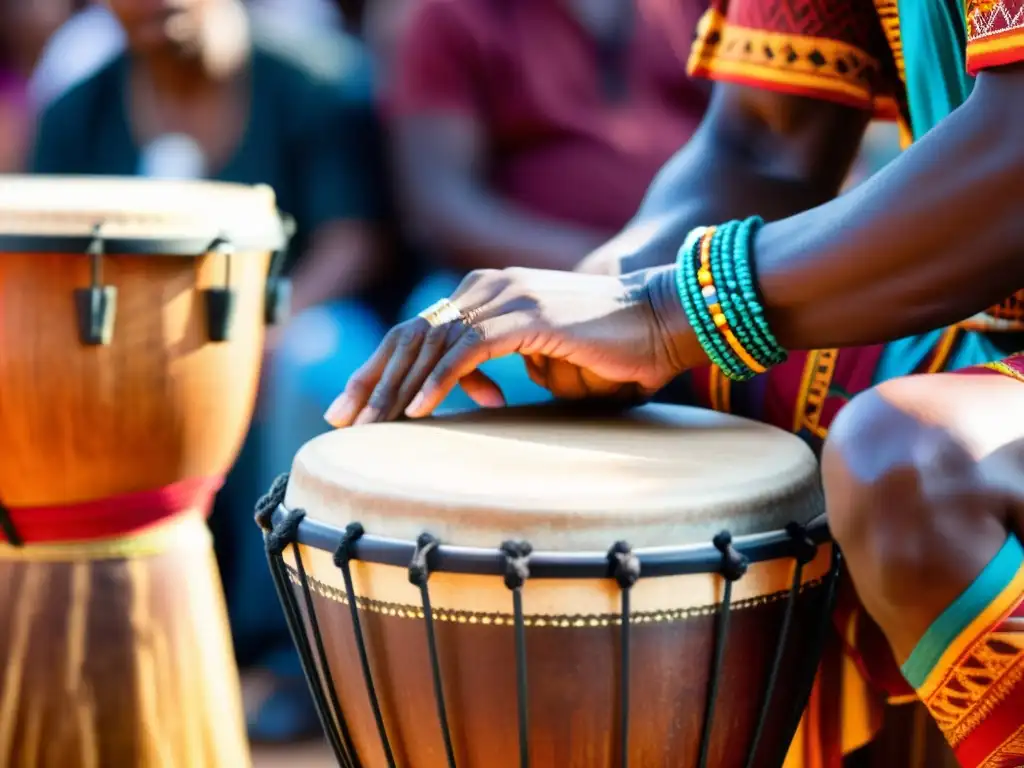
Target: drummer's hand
[[582, 336]]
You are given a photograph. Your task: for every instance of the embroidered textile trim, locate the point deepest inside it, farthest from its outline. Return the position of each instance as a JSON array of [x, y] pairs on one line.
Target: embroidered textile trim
[[808, 66], [995, 33]]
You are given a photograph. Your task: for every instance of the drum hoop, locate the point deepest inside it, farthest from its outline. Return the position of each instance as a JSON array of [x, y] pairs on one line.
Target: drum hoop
[[654, 561], [191, 246]]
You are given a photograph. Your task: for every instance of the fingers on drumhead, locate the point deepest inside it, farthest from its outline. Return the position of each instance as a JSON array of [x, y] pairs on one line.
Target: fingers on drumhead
[[347, 407], [461, 359], [482, 389]]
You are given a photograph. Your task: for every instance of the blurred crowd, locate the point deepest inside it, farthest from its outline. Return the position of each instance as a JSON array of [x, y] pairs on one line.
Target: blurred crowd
[[411, 140]]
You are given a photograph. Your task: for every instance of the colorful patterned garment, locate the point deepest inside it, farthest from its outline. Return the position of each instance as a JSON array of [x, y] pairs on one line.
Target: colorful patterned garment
[[913, 61], [968, 668]]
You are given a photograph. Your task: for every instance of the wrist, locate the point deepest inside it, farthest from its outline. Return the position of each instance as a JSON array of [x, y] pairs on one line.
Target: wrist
[[676, 336]]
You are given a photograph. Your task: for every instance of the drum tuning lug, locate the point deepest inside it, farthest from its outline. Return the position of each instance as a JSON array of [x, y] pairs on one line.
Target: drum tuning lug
[[220, 302], [96, 306], [278, 301], [278, 295]]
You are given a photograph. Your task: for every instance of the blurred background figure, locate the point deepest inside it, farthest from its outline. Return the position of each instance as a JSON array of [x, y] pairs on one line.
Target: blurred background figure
[[25, 28], [523, 133], [458, 134], [526, 133], [202, 89], [84, 42]]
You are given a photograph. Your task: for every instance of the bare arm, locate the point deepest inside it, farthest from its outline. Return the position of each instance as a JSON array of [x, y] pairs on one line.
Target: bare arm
[[344, 258], [443, 179], [934, 238], [755, 152]]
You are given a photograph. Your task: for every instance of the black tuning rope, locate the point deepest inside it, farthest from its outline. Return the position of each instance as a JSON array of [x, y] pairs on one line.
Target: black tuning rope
[[517, 571], [419, 575], [733, 567], [626, 572], [270, 501], [343, 556], [277, 538], [804, 551], [816, 640]]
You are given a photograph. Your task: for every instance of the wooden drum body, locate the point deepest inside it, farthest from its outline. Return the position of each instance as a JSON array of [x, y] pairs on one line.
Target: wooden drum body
[[491, 655], [161, 401], [131, 333]]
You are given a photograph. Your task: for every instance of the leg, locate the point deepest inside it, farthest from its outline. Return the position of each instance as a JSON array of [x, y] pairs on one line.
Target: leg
[[925, 484]]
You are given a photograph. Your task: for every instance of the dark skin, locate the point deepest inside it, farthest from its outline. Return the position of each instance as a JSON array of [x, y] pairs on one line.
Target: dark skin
[[755, 152], [924, 476], [881, 262], [933, 463]]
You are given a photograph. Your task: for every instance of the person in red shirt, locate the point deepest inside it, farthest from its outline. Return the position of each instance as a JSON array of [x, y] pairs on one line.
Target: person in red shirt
[[526, 132]]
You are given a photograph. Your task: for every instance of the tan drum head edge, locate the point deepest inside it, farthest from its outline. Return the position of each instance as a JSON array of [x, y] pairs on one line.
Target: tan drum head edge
[[376, 475]]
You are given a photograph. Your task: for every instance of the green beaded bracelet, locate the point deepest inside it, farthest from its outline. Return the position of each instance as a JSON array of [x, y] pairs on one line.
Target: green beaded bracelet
[[769, 351], [688, 287]]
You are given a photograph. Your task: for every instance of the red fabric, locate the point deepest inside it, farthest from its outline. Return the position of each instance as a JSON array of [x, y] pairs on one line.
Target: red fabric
[[527, 74], [803, 395], [115, 516], [998, 740], [995, 34]]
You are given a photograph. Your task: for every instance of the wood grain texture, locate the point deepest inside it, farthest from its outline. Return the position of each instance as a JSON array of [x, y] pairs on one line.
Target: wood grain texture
[[118, 663], [159, 404], [574, 685]]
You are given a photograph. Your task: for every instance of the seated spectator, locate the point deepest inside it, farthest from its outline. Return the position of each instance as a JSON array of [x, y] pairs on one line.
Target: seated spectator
[[525, 132], [202, 90]]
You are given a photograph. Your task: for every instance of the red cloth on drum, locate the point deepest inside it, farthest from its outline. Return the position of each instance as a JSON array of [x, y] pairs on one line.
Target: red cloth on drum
[[113, 516]]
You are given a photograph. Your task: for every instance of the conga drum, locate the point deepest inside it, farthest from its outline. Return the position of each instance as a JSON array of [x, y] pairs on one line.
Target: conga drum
[[556, 587], [131, 328]]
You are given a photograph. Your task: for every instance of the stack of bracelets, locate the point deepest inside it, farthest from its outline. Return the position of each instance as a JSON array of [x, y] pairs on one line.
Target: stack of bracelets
[[715, 280]]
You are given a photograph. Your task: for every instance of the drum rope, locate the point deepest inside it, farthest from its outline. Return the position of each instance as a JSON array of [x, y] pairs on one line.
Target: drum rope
[[8, 529], [342, 559], [732, 568], [419, 575], [817, 645], [805, 552], [517, 571], [277, 538], [626, 571]]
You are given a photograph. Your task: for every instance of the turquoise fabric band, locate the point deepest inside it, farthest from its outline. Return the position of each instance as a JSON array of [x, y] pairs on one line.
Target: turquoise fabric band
[[954, 620]]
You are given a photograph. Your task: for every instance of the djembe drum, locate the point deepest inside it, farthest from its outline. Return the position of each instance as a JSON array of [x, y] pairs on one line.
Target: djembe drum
[[131, 328], [556, 587]]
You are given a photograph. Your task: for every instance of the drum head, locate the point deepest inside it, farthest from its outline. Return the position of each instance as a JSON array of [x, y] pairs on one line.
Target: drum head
[[564, 479], [143, 216]]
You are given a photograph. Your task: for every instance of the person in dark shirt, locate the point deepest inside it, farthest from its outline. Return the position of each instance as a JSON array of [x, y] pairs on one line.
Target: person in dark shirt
[[204, 91]]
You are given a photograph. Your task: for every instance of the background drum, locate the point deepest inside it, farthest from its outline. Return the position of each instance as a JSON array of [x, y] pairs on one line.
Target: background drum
[[431, 643], [131, 328]]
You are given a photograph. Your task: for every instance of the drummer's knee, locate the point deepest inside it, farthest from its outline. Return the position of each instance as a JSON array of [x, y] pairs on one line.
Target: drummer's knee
[[879, 467]]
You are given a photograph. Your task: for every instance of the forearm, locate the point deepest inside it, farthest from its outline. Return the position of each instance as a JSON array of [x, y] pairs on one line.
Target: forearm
[[698, 186], [344, 259], [934, 238], [474, 229], [775, 159]]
